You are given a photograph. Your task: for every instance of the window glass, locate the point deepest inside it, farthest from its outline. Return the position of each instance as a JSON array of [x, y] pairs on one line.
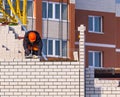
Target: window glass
[[94, 59], [97, 24], [64, 12], [7, 8], [50, 10], [97, 59], [44, 49], [57, 47], [90, 23], [117, 1], [64, 48], [44, 9], [54, 10], [50, 47], [90, 59], [57, 11], [29, 8], [21, 5]]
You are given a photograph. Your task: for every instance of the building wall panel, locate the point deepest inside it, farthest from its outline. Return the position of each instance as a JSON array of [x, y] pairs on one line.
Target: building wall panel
[[96, 5], [108, 58], [109, 26], [55, 29]]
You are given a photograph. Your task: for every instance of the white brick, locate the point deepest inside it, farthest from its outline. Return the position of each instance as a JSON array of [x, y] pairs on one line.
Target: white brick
[[30, 63], [94, 96], [57, 63], [13, 63], [35, 93]]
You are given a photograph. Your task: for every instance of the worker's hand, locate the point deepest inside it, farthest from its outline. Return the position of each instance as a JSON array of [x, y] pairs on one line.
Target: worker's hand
[[35, 57]]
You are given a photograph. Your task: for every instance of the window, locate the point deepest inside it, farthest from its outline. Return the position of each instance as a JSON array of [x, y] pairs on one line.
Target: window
[[64, 48], [117, 1], [55, 11], [50, 10], [54, 48], [64, 12], [44, 49], [95, 58], [95, 24], [29, 7], [7, 7], [57, 47], [44, 10]]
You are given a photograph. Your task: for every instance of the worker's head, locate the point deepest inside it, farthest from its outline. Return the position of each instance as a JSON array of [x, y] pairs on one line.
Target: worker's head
[[32, 37]]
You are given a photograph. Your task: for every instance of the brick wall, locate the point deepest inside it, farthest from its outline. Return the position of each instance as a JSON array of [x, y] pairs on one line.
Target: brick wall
[[10, 47], [100, 87], [31, 78]]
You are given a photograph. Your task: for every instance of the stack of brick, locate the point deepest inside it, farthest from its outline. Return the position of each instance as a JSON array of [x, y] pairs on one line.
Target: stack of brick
[[10, 47], [96, 87]]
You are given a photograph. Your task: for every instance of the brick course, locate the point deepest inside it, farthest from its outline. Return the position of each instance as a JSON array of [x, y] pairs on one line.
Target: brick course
[[39, 79]]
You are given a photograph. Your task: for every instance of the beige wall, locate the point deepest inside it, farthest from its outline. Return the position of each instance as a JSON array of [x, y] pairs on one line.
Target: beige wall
[[55, 29]]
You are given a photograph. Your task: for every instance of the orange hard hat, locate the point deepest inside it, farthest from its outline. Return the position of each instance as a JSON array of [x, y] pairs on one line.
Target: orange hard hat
[[32, 36]]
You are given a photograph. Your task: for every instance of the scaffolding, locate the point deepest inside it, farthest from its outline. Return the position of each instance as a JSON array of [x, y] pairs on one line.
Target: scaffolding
[[13, 11]]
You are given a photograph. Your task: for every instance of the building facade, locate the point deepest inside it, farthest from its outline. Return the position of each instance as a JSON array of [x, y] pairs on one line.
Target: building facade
[[102, 21], [55, 21]]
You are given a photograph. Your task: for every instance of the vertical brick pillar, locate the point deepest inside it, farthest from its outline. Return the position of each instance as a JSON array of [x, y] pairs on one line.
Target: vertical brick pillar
[[38, 15], [71, 32], [82, 29]]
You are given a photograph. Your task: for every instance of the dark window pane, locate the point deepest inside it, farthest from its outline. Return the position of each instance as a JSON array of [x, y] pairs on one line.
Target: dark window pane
[[50, 47], [44, 10], [7, 8], [50, 10], [64, 12], [97, 59], [57, 11], [64, 48], [90, 23], [44, 49], [29, 8], [97, 24], [57, 47], [90, 59]]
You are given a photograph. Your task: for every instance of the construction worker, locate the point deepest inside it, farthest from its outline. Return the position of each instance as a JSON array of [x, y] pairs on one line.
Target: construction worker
[[32, 44]]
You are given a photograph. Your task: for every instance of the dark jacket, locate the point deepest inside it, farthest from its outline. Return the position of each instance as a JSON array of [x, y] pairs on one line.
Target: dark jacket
[[37, 42]]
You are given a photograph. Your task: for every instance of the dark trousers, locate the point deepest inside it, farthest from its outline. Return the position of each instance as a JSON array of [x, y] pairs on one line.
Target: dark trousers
[[28, 52]]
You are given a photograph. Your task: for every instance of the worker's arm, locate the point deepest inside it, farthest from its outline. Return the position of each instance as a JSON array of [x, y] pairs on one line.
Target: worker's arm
[[25, 41], [25, 45], [40, 48], [40, 45]]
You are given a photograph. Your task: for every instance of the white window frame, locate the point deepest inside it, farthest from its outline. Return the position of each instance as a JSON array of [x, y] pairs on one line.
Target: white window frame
[[93, 65], [53, 55], [93, 31], [54, 49], [54, 3], [33, 9]]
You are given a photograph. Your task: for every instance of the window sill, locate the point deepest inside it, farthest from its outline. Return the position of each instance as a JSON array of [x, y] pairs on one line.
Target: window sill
[[94, 67], [56, 56], [96, 32], [54, 20]]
